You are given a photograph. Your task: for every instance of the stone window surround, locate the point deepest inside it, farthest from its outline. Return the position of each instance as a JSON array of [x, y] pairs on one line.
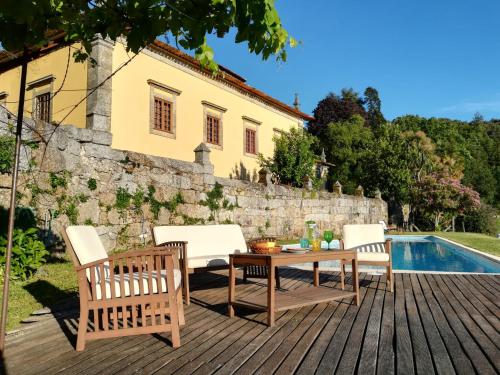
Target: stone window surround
[[170, 95], [214, 110], [252, 124], [38, 87]]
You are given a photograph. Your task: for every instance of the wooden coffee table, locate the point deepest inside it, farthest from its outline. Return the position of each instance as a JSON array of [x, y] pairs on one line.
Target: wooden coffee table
[[276, 301]]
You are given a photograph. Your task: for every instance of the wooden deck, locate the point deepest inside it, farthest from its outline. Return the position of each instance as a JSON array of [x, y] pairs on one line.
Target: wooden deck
[[431, 324]]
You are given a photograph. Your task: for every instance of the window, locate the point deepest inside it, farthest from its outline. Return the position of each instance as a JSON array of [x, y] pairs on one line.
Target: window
[[250, 136], [163, 108], [250, 141], [163, 115], [42, 107], [213, 130]]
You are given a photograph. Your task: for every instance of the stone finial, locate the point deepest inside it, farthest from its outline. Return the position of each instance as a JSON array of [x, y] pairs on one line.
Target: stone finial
[[265, 177], [307, 183], [296, 103], [378, 194], [323, 155], [337, 188], [359, 191], [202, 154]]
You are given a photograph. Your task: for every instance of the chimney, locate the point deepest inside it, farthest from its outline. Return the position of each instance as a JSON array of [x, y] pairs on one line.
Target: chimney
[[296, 103]]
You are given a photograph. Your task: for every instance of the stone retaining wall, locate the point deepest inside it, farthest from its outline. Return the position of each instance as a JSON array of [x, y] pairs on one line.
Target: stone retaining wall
[[57, 181]]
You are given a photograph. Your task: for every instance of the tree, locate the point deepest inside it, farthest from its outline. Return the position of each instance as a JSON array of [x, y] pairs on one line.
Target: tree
[[346, 144], [293, 159], [443, 198], [335, 108], [372, 102], [31, 23]]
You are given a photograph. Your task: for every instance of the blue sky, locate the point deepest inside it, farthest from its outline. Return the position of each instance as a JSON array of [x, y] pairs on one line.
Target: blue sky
[[429, 57]]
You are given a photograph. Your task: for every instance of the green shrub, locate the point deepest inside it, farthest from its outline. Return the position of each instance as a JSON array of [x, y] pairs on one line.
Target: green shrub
[[482, 220], [122, 199], [7, 144], [58, 180], [28, 253], [92, 184], [293, 158]]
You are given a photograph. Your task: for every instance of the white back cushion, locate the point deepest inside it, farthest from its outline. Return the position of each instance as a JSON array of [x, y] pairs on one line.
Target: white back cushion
[[382, 222], [86, 243], [204, 240], [355, 235]]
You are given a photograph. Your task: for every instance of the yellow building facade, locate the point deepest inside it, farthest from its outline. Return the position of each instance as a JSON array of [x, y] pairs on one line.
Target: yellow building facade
[[159, 102]]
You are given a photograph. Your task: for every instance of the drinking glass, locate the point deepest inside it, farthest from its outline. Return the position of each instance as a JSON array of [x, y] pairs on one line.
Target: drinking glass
[[328, 237]]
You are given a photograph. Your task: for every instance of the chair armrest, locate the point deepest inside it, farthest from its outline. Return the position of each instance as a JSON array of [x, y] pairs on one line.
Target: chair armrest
[[181, 245], [388, 245]]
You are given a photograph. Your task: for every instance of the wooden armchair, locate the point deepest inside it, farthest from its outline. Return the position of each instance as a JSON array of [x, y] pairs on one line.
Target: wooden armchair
[[126, 294], [372, 247]]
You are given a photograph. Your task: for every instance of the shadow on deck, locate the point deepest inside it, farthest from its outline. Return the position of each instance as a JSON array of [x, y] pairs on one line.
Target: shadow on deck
[[430, 324]]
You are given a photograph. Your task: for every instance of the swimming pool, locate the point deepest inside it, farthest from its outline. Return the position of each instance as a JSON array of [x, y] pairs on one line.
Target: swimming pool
[[431, 253], [428, 254]]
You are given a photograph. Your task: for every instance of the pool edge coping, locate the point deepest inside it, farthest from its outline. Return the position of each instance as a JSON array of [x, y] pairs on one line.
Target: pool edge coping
[[478, 252]]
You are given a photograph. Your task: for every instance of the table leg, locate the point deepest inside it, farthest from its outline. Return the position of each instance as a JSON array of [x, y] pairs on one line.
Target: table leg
[[316, 273], [355, 279], [270, 293], [232, 286]]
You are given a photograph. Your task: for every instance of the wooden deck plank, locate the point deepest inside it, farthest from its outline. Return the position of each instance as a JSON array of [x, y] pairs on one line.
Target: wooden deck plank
[[474, 352], [333, 352], [94, 348], [67, 354], [404, 350], [484, 289], [209, 350], [369, 350], [489, 309], [443, 323], [155, 358], [251, 348], [461, 361], [423, 359], [440, 356], [386, 357], [475, 309], [474, 329], [352, 349]]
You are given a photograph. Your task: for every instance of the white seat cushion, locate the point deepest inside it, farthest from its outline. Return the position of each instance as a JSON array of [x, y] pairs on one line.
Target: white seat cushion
[[86, 243], [127, 284], [355, 235], [373, 257], [208, 245]]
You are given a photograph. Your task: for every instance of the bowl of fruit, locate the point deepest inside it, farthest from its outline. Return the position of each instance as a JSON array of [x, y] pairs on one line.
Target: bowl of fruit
[[264, 246]]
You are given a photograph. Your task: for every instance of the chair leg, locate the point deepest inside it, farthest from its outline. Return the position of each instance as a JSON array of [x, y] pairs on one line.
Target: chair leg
[[82, 329], [342, 274], [185, 282], [245, 274], [180, 307], [390, 278], [277, 276]]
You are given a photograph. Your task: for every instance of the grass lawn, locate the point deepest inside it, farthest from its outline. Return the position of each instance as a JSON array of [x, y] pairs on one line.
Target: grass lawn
[[53, 283]]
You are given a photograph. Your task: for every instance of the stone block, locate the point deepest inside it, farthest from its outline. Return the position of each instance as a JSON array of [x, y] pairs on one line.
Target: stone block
[[89, 210], [84, 135], [102, 137], [103, 152]]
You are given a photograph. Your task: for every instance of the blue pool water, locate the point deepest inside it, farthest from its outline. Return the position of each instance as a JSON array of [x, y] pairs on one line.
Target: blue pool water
[[429, 253]]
